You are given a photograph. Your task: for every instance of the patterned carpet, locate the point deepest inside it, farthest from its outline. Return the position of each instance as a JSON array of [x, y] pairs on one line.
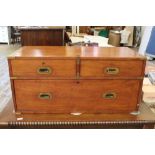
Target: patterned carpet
[[5, 90]]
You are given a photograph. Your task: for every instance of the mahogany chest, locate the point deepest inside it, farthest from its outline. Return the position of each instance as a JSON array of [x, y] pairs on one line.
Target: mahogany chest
[[76, 80]]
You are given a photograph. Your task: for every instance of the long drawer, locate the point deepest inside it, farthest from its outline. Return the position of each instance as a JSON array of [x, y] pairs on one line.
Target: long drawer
[[43, 68], [106, 68], [71, 96]]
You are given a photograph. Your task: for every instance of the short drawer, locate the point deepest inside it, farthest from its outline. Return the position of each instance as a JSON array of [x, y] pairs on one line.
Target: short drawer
[[70, 96], [103, 68], [43, 68]]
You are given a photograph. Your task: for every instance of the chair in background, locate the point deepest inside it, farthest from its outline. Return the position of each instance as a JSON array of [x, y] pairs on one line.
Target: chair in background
[[15, 35]]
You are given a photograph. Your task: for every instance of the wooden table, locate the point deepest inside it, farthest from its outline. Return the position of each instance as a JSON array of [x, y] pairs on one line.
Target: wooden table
[[42, 36], [8, 119]]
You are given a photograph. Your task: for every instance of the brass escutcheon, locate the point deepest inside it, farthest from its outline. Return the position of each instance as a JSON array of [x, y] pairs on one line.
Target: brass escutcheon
[[44, 70], [111, 70], [109, 95], [45, 96]]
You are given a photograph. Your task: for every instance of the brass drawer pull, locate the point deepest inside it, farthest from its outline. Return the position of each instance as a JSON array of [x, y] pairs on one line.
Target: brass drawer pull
[[45, 96], [44, 70], [112, 70], [109, 95]]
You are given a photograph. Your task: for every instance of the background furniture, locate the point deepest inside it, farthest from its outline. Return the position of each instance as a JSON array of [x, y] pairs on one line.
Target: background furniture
[[101, 41], [15, 35], [104, 33], [84, 29], [42, 36], [101, 31], [5, 34], [82, 44], [114, 38], [128, 31]]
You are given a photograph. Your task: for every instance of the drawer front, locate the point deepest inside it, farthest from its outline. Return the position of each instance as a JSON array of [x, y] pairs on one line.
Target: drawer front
[[43, 68], [69, 96], [100, 68]]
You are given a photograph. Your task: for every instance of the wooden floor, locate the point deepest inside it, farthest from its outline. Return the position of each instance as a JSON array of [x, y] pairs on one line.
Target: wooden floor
[[6, 50], [5, 90]]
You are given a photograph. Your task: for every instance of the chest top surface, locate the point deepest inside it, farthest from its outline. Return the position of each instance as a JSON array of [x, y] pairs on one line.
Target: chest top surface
[[35, 52]]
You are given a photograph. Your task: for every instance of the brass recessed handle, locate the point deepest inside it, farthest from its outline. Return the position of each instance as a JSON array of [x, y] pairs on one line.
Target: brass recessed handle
[[109, 95], [44, 70], [45, 96], [111, 70]]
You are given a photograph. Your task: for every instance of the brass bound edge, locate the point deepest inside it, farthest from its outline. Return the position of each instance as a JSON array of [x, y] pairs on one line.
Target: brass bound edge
[[18, 113], [143, 58], [11, 57], [13, 78], [78, 77], [78, 67]]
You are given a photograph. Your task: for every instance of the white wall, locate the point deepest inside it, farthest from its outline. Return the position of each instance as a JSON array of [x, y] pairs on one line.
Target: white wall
[[146, 32]]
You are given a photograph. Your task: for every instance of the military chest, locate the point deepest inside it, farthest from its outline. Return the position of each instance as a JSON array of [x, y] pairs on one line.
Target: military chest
[[76, 80]]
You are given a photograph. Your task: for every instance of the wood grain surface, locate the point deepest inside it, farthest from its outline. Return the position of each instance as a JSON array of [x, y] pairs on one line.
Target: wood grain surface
[[70, 96], [43, 52]]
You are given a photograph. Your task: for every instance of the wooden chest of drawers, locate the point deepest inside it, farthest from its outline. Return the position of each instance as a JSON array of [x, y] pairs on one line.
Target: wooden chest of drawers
[[76, 79]]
